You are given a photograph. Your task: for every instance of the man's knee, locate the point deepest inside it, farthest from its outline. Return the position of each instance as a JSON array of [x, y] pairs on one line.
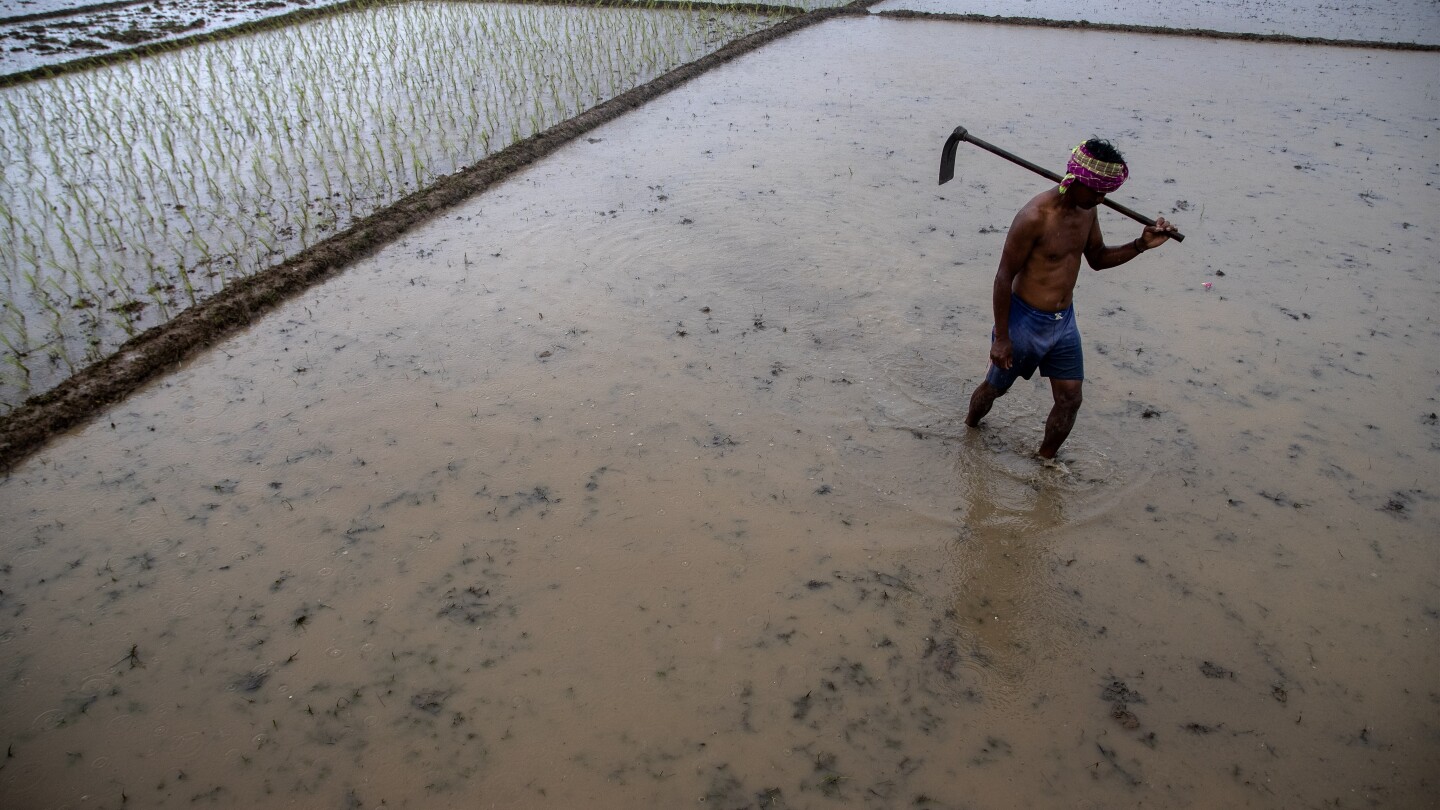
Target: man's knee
[[1068, 397]]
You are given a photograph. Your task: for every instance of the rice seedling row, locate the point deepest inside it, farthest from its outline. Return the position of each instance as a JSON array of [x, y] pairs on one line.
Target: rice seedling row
[[131, 192]]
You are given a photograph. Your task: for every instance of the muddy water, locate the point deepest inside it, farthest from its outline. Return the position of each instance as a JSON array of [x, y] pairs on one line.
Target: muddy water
[[641, 480]]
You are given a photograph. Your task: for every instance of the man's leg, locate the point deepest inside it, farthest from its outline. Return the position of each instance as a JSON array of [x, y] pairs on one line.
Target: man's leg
[[1062, 416], [980, 402]]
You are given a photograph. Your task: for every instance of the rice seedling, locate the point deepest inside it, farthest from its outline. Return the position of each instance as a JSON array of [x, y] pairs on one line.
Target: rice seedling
[[145, 186]]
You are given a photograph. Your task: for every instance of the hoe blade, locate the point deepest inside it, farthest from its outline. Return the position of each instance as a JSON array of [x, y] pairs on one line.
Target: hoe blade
[[947, 155]]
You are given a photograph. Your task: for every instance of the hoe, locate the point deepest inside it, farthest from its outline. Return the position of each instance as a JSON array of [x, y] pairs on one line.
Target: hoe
[[947, 171]]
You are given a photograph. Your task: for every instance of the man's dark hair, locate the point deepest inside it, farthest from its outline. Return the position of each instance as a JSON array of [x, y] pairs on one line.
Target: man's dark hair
[[1103, 150]]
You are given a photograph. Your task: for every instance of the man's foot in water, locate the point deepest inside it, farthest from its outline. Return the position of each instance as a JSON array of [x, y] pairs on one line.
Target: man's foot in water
[[1053, 464]]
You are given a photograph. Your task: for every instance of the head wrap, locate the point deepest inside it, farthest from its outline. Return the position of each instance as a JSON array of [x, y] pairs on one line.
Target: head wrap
[[1097, 174]]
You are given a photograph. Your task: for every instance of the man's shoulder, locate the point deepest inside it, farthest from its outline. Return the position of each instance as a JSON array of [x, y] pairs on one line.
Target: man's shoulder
[[1042, 203], [1038, 210]]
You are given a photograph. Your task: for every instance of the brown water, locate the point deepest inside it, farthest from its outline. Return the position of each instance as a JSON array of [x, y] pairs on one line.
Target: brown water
[[641, 481]]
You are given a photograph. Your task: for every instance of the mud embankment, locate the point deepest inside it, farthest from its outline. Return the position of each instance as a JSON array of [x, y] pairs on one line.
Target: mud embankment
[[1203, 33]]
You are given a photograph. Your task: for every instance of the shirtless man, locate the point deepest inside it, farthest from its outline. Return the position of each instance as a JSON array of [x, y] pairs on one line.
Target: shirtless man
[[1035, 286]]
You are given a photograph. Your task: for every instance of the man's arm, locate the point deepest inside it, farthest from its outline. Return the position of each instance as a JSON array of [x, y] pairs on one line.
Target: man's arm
[[1024, 230], [1101, 257]]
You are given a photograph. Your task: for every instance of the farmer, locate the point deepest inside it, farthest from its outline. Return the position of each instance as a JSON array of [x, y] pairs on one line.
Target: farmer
[[1035, 285]]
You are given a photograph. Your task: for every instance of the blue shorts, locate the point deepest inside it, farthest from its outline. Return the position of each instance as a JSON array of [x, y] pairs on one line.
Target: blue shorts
[[1049, 341]]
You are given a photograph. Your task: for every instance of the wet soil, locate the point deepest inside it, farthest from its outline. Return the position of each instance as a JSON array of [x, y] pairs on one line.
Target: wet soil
[[640, 480]]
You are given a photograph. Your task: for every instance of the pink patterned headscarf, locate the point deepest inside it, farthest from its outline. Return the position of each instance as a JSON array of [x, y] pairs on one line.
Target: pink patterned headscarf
[[1097, 174]]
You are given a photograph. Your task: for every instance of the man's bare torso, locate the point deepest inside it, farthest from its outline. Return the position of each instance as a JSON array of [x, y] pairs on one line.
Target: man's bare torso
[[1052, 238]]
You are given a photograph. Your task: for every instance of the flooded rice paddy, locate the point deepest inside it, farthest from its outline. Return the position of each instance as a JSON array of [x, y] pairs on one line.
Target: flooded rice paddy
[[132, 191], [40, 33], [641, 480]]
